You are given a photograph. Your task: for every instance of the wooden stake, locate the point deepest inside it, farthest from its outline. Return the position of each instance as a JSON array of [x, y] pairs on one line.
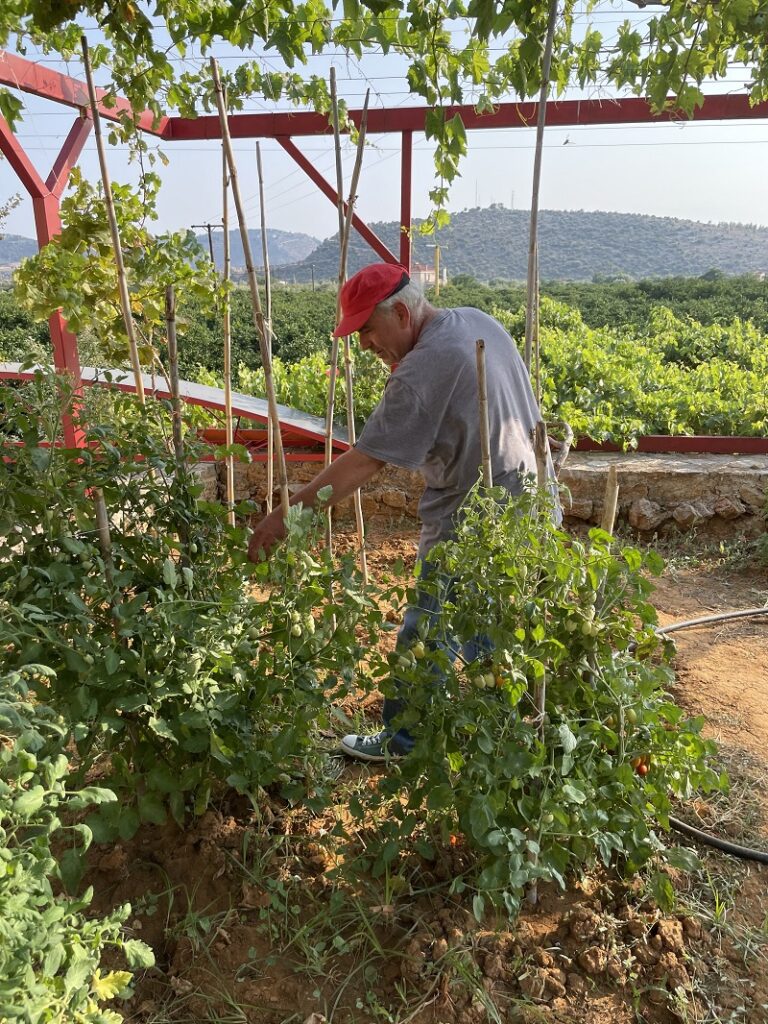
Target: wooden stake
[[541, 448], [345, 227], [173, 384], [229, 462], [330, 408], [533, 251], [122, 281], [485, 431], [258, 315], [268, 319], [173, 375], [610, 501]]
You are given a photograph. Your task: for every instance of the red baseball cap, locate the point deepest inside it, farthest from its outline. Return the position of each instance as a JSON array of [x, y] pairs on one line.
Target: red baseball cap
[[364, 291]]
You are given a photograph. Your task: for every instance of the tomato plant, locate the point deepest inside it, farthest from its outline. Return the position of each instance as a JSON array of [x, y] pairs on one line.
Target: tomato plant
[[51, 950], [537, 797], [180, 665]]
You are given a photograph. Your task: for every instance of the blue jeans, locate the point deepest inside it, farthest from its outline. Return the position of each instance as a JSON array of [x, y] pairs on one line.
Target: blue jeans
[[427, 610]]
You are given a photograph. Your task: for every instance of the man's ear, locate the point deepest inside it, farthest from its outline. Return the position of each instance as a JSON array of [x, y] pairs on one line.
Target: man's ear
[[403, 314]]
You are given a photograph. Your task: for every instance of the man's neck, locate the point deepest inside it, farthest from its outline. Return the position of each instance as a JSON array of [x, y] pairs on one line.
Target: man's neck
[[429, 313]]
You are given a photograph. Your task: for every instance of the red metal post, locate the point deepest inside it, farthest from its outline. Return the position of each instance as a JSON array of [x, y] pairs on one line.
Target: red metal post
[[327, 189], [45, 206], [405, 200]]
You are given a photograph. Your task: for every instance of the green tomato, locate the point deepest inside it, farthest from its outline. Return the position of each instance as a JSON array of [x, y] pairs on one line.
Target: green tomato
[[418, 650], [631, 716], [296, 629]]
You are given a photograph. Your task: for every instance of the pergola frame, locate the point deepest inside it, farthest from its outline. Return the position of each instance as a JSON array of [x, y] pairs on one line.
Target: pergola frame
[[37, 80]]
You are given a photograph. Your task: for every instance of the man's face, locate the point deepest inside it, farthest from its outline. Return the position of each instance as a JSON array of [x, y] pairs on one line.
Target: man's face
[[388, 333]]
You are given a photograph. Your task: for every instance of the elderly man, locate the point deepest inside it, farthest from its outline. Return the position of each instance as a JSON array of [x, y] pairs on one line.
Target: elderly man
[[427, 420]]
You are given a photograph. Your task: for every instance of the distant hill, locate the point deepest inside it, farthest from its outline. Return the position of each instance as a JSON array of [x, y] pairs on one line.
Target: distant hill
[[15, 248], [282, 246], [492, 243]]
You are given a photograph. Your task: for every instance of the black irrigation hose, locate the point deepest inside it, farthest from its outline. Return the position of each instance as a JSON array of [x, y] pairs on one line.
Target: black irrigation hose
[[745, 852]]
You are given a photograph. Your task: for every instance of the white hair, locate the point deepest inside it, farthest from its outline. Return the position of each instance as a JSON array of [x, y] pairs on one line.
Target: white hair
[[411, 296]]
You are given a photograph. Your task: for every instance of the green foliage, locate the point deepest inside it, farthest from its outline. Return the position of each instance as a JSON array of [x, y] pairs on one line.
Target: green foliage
[[302, 321], [76, 271], [671, 377], [51, 951], [593, 779], [167, 658], [304, 384]]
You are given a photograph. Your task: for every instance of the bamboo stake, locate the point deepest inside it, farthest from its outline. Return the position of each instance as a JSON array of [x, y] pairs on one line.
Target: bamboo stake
[[122, 281], [229, 462], [536, 335], [533, 254], [541, 448], [348, 373], [610, 501], [485, 432], [334, 363], [268, 319], [258, 314], [345, 226], [173, 384], [105, 540], [173, 375]]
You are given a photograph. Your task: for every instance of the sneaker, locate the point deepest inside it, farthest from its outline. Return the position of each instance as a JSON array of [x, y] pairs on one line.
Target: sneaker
[[369, 748]]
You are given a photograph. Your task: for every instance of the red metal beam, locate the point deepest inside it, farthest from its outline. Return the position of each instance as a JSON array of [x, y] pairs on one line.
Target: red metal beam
[[327, 189], [405, 200], [39, 80], [14, 153], [563, 113], [57, 180]]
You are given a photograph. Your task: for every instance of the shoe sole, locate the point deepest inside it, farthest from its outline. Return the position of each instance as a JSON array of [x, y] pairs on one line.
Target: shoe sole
[[371, 758]]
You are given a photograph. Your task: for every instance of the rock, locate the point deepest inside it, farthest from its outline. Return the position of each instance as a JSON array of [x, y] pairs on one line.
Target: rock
[[728, 508], [646, 515], [579, 508], [689, 513], [394, 499], [685, 516]]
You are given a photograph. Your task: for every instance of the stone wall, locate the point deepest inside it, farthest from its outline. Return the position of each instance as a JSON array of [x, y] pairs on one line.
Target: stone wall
[[720, 496]]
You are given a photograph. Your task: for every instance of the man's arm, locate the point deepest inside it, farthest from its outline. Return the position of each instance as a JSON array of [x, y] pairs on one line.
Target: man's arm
[[350, 471]]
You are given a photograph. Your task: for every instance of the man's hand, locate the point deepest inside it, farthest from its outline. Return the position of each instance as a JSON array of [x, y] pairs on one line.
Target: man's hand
[[350, 471], [265, 535]]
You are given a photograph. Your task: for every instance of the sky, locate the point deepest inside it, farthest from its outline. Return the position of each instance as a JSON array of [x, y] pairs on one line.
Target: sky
[[696, 170]]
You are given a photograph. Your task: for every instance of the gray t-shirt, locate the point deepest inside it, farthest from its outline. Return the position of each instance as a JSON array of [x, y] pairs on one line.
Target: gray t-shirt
[[428, 418]]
